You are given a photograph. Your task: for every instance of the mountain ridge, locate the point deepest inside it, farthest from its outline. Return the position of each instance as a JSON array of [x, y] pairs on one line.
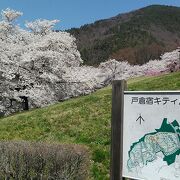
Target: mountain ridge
[[137, 36]]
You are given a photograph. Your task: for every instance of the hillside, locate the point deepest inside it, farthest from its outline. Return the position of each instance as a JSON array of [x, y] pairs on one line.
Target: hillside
[[83, 120], [137, 36]]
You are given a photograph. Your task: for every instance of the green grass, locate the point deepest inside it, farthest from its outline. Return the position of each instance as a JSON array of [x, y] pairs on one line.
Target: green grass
[[163, 82], [84, 120]]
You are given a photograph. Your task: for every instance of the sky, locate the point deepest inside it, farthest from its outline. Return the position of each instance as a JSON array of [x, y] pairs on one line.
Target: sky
[[75, 13]]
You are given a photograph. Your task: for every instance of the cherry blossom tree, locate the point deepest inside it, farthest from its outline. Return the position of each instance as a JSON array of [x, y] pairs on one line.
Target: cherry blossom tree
[[41, 26], [9, 15], [168, 62], [40, 66]]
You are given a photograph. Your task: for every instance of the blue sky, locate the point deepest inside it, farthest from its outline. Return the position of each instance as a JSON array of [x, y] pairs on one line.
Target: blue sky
[[74, 13]]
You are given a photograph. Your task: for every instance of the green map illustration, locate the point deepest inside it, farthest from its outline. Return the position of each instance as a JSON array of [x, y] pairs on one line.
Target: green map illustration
[[166, 140]]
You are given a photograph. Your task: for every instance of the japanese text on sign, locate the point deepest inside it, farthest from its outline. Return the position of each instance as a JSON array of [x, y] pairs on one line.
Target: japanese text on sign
[[156, 100]]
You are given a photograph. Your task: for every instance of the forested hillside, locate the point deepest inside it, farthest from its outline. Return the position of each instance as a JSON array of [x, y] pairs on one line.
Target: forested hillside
[[137, 36]]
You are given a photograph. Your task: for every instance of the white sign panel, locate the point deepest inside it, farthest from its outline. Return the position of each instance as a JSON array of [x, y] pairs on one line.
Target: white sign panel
[[151, 137]]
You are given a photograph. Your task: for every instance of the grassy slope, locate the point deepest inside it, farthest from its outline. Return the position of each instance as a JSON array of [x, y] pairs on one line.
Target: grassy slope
[[84, 120]]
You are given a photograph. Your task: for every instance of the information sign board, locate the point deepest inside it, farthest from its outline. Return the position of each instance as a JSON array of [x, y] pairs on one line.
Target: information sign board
[[151, 135]]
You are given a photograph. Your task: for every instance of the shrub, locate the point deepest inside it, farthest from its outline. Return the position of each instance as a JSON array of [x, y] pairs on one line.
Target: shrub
[[40, 161]]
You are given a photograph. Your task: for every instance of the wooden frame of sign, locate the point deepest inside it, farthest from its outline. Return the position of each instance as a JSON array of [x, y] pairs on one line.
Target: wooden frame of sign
[[118, 88]]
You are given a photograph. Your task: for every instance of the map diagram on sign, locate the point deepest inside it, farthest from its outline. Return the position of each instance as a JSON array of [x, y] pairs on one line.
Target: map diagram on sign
[[164, 141]]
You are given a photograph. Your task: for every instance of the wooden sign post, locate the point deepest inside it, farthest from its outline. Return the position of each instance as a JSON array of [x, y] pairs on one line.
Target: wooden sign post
[[118, 88]]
